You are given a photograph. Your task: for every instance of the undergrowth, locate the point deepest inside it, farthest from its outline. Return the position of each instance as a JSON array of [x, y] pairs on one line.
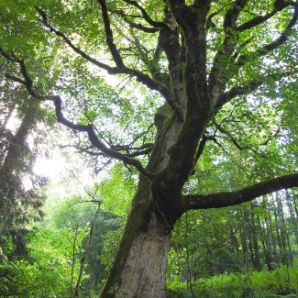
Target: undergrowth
[[282, 282]]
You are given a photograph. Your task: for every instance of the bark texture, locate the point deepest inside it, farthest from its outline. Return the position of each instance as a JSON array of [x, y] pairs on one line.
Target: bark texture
[[144, 272]]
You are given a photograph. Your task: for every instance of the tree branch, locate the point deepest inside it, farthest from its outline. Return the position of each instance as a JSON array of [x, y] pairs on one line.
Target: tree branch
[[250, 86], [27, 82], [133, 24], [273, 45], [140, 76], [201, 147], [239, 91], [89, 129], [233, 139], [95, 141], [224, 199], [109, 35], [216, 81], [233, 13], [145, 14], [261, 19]]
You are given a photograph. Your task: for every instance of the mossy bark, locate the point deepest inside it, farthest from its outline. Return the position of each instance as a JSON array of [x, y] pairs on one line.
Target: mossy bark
[[140, 266], [139, 269]]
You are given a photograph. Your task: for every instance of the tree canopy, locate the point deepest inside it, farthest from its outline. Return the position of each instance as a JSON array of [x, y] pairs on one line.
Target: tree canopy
[[192, 76]]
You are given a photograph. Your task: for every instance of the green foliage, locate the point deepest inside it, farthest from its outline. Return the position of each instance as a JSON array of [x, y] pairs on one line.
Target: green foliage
[[278, 283], [249, 141], [47, 274], [55, 248]]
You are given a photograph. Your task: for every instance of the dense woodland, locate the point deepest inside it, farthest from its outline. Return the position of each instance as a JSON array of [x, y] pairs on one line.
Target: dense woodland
[[185, 115]]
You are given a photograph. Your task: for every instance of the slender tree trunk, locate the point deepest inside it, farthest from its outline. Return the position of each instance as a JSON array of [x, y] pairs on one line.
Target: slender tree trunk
[[244, 238], [8, 115], [272, 238], [265, 236], [254, 239], [266, 250], [233, 239], [285, 249], [293, 219], [16, 149], [73, 260], [295, 205]]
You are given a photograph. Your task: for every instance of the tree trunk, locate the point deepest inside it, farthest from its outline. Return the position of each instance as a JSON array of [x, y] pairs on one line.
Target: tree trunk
[[254, 239], [140, 266], [139, 269], [293, 220], [144, 272], [15, 162]]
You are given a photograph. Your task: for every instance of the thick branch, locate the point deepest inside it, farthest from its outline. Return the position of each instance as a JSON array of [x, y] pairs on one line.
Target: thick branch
[[224, 199], [239, 91], [109, 34], [233, 13]]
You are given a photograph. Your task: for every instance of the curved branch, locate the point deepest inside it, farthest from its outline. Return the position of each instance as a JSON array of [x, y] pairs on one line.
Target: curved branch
[[261, 19], [136, 25], [251, 86], [215, 78], [239, 91], [233, 13], [233, 139], [274, 44], [224, 199], [145, 15], [140, 76], [215, 81], [26, 81], [89, 129]]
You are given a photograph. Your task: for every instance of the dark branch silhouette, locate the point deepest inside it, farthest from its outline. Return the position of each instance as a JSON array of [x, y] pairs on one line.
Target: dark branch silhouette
[[89, 129], [246, 194]]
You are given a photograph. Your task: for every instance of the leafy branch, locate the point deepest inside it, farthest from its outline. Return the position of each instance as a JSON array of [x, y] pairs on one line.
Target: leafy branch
[[120, 68], [89, 128]]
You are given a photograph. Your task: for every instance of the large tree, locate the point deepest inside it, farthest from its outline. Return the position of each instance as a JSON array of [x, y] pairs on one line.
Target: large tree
[[199, 56]]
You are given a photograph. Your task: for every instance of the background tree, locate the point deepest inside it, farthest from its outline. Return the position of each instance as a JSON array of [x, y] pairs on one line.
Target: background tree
[[19, 204], [199, 56]]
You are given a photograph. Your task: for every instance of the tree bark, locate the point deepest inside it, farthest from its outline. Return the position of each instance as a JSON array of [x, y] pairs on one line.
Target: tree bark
[[293, 219], [15, 160], [139, 268]]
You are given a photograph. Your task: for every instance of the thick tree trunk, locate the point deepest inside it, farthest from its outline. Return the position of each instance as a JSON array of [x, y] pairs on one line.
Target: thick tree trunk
[[139, 269], [140, 266], [144, 272]]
